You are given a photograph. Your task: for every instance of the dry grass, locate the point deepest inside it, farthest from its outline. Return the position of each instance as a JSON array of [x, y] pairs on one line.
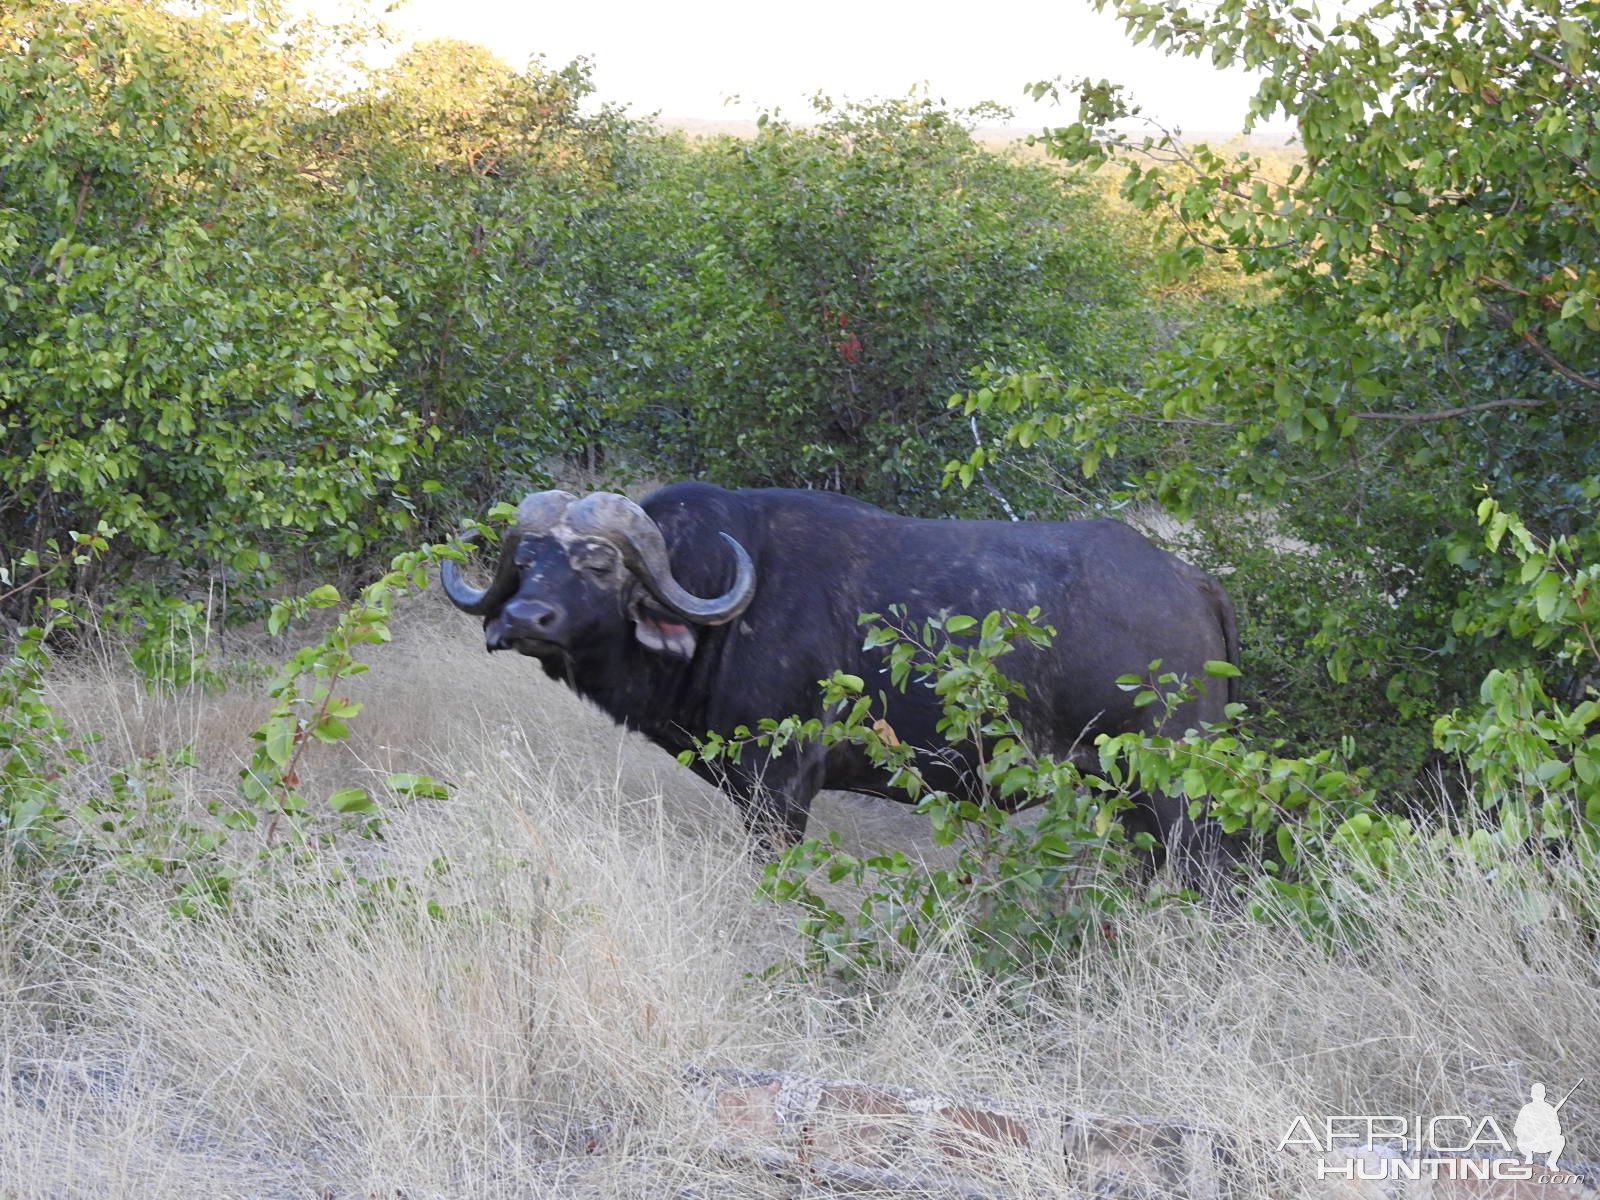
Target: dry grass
[[601, 934]]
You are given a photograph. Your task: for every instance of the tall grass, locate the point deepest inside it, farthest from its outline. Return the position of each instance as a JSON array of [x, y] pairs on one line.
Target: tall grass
[[599, 933]]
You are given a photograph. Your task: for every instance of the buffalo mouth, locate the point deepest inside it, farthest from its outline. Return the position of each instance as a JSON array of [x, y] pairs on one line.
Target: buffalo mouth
[[497, 637], [532, 647]]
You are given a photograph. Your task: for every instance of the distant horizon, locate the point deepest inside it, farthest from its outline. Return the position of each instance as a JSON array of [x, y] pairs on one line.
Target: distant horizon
[[714, 60], [1275, 136]]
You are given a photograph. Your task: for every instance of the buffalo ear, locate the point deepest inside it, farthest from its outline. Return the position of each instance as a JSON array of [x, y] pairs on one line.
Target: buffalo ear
[[664, 635]]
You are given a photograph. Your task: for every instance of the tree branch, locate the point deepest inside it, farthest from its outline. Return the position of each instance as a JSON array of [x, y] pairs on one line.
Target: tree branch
[[1507, 321], [1449, 414], [1201, 422]]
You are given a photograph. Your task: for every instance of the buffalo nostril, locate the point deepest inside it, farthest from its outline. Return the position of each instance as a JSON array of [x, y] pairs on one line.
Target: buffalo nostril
[[532, 615]]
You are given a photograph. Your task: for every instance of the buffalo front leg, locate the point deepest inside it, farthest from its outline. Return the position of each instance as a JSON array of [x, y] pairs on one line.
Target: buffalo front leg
[[774, 795]]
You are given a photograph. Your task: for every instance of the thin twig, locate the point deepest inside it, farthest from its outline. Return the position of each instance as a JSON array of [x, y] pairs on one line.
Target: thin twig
[[1449, 414], [983, 476]]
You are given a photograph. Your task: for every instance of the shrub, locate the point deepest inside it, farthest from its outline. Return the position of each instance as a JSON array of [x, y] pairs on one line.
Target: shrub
[[1424, 319], [172, 369], [811, 296]]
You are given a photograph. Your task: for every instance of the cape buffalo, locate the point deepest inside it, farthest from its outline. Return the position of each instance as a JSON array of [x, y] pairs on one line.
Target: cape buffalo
[[704, 609]]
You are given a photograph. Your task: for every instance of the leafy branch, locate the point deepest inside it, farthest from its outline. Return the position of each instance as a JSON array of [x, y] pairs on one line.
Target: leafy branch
[[302, 716]]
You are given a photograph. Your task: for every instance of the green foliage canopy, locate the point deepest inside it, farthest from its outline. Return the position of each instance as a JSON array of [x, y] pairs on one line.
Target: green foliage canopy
[[820, 291], [1431, 264], [174, 367], [1426, 319], [480, 200]]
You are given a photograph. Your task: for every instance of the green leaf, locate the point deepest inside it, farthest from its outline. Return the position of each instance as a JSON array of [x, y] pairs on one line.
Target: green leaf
[[328, 729], [278, 741], [418, 786], [1285, 842], [350, 800]]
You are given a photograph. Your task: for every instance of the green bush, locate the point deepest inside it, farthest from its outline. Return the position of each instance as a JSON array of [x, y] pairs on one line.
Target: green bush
[[173, 367], [1017, 894], [281, 323], [37, 750], [1533, 753], [481, 200], [1309, 828], [814, 294], [1424, 320]]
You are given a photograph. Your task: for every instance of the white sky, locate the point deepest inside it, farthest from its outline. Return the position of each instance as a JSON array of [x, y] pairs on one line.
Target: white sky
[[687, 59]]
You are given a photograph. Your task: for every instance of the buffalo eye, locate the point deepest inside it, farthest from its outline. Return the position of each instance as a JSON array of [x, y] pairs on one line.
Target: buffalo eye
[[597, 558]]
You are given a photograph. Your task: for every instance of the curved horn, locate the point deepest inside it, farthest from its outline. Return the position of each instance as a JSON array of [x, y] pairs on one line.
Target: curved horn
[[628, 527], [473, 600], [539, 512]]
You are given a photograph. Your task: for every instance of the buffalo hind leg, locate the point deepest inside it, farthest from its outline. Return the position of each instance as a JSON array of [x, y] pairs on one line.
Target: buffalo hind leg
[[1201, 854]]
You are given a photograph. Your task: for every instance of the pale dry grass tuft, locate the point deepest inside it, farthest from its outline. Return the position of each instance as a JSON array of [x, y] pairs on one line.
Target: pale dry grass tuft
[[600, 934]]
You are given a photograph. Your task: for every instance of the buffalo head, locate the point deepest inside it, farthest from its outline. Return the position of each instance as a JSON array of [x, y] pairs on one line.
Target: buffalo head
[[574, 573]]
